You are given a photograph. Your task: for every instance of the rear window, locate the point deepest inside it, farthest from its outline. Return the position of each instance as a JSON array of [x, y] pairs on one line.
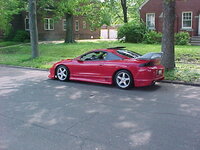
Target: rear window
[[128, 53]]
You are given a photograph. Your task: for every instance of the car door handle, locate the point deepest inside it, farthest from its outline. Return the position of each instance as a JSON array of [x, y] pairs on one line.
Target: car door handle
[[101, 65]]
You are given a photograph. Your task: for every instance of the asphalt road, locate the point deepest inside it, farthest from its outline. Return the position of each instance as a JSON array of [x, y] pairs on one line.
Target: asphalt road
[[37, 113]]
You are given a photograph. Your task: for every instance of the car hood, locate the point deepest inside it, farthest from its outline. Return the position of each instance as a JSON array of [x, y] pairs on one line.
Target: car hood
[[66, 60]]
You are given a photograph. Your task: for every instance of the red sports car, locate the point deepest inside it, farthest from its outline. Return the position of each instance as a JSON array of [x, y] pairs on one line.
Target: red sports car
[[115, 65]]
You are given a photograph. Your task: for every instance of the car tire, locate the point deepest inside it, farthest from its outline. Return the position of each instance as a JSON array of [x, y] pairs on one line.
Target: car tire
[[123, 79], [62, 73]]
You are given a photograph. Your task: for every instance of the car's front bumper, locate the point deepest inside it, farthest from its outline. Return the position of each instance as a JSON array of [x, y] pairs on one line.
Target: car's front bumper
[[52, 73]]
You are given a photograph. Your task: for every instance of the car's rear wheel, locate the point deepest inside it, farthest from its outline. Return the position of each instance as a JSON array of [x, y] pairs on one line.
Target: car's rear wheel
[[123, 79], [62, 73]]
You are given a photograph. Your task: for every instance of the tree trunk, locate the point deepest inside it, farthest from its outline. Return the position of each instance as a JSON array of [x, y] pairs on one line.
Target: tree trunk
[[168, 59], [69, 38], [124, 8], [33, 28]]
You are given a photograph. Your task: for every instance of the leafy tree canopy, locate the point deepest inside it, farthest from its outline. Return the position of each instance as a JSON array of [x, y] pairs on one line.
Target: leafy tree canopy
[[8, 8]]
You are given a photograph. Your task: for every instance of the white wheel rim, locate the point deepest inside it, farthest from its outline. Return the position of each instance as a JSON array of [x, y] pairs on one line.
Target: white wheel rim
[[62, 73], [123, 80]]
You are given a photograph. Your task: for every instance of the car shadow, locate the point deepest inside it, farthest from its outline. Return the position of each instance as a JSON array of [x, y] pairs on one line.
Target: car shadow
[[146, 88]]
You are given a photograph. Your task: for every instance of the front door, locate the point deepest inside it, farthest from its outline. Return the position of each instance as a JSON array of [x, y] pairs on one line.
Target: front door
[[89, 66]]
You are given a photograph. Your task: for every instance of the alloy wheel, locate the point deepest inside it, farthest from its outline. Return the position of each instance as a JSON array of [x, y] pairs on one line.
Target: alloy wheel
[[62, 73], [123, 79]]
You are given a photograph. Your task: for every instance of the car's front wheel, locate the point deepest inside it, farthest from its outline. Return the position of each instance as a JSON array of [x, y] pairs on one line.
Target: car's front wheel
[[123, 79], [62, 73]]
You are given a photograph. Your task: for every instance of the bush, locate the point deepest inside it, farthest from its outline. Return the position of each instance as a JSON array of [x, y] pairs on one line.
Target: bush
[[21, 36], [182, 38], [133, 32], [152, 37], [9, 35]]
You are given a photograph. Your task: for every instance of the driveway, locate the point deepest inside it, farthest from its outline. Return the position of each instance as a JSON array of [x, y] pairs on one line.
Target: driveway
[[37, 113]]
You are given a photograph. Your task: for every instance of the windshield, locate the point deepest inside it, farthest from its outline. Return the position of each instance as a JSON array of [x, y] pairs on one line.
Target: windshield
[[128, 53]]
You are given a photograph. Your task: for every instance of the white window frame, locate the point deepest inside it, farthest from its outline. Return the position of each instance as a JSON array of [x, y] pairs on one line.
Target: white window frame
[[63, 24], [151, 28], [25, 25], [48, 29], [84, 24], [76, 27], [191, 19]]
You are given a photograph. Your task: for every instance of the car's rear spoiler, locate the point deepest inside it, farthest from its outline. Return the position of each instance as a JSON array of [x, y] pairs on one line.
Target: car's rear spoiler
[[150, 56]]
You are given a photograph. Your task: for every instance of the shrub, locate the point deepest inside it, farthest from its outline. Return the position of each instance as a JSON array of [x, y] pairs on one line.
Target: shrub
[[9, 35], [182, 38], [152, 37], [133, 32], [21, 36]]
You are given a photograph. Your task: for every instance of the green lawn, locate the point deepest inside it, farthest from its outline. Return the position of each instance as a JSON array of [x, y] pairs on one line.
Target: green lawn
[[7, 43], [50, 53]]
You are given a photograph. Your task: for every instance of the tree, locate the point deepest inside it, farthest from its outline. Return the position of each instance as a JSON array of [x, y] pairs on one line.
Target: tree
[[168, 59], [9, 8], [124, 8], [33, 28], [67, 9], [123, 11]]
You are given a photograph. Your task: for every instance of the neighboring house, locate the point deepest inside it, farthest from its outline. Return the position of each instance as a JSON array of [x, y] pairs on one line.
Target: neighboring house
[[50, 29], [187, 16]]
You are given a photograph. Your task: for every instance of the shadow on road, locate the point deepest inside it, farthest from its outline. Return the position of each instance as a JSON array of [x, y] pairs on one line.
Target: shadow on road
[[88, 116]]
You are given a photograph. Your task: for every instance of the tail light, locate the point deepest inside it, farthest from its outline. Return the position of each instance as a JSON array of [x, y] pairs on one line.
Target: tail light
[[151, 63]]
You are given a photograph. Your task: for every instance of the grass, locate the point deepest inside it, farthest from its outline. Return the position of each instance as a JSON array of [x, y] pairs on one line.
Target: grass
[[8, 43], [184, 72], [50, 53]]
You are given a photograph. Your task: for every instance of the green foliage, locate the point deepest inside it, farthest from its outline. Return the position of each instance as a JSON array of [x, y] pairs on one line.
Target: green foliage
[[21, 36], [8, 43], [50, 53], [152, 37], [8, 8], [133, 32], [182, 38], [9, 34], [184, 72], [115, 10]]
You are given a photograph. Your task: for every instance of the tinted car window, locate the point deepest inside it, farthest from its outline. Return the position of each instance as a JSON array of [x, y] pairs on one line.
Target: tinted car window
[[111, 56], [94, 56], [127, 53]]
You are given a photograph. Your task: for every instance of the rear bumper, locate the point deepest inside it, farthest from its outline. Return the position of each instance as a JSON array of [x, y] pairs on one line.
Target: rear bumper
[[143, 82], [148, 75]]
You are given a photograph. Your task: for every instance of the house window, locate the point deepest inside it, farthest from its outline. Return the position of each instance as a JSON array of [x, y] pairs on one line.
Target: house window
[[76, 25], [187, 20], [26, 23], [84, 25], [150, 21], [48, 24], [64, 25]]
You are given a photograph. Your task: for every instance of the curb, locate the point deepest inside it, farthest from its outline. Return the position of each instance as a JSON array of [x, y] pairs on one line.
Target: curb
[[180, 82], [163, 81], [30, 68]]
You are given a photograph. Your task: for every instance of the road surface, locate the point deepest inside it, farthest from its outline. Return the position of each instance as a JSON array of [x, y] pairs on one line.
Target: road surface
[[37, 113]]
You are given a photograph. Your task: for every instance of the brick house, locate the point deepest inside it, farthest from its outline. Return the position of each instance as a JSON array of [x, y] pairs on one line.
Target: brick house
[[187, 16], [50, 29]]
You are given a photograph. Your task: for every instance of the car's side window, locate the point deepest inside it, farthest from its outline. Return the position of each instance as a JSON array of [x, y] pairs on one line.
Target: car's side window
[[111, 56], [94, 56]]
